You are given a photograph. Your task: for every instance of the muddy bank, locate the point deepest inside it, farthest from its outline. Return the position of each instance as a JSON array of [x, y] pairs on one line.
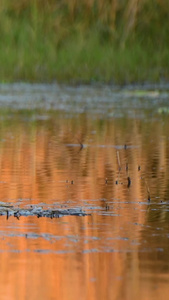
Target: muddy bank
[[104, 100]]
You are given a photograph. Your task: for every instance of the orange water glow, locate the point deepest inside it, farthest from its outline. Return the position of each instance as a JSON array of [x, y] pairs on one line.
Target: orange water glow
[[118, 252]]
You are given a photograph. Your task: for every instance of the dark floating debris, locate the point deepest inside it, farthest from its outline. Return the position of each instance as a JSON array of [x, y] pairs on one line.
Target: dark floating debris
[[81, 145], [40, 212], [16, 214], [139, 168], [129, 181], [107, 207]]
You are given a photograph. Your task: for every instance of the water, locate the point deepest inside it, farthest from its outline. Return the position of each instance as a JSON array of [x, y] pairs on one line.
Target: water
[[76, 147]]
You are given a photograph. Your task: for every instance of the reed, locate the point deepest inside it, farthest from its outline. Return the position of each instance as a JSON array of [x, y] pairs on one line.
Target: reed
[[70, 40]]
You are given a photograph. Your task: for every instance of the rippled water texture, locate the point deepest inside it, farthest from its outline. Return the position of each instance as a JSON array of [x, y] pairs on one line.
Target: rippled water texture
[[99, 149]]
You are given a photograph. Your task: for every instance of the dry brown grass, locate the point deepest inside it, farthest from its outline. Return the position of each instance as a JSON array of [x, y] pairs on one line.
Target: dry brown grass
[[112, 13]]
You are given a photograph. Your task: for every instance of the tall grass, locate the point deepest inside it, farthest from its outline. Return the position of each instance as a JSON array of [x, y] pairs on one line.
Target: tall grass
[[73, 40]]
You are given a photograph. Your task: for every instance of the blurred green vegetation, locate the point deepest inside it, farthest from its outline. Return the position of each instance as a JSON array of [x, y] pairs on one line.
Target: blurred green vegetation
[[112, 41]]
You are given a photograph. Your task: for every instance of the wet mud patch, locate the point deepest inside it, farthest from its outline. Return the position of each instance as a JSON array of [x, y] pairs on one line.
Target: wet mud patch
[[39, 212]]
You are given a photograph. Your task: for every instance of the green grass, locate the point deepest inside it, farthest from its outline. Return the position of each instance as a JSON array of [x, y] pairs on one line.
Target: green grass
[[53, 44]]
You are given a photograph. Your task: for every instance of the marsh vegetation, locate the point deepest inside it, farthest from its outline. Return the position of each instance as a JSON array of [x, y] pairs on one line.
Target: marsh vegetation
[[84, 41]]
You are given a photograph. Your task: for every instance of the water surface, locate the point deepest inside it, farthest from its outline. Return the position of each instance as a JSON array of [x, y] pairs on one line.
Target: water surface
[[104, 150]]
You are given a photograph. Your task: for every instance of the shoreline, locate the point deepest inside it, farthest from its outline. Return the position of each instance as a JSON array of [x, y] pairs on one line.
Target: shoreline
[[163, 85]]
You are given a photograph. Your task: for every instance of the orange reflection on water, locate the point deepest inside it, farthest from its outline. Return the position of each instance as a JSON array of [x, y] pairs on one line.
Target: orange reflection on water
[[38, 158], [35, 267], [72, 162], [59, 267]]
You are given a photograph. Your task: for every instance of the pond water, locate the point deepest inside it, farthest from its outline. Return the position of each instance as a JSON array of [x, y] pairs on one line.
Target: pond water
[[101, 149]]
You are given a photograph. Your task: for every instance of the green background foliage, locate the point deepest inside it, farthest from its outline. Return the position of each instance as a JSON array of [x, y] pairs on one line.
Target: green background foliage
[[112, 41]]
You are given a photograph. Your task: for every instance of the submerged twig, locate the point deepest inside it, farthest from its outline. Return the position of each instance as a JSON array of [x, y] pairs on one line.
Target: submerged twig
[[148, 191], [118, 160], [128, 176], [81, 145], [127, 168]]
